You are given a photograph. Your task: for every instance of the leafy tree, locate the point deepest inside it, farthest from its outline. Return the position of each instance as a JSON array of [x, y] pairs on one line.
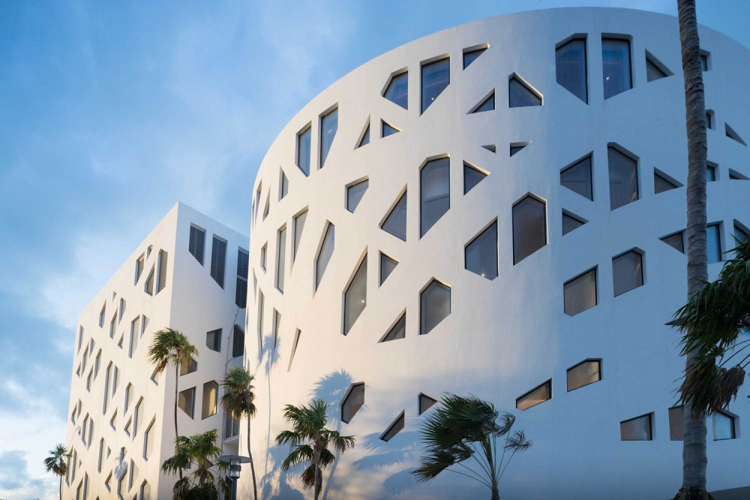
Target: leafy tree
[[56, 463], [464, 428], [309, 440], [201, 453], [239, 401]]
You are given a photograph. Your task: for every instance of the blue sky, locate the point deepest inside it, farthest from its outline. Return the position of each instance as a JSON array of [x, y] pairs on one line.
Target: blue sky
[[111, 112]]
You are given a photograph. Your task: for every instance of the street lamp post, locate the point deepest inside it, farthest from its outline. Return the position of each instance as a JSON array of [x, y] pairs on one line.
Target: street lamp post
[[235, 464]]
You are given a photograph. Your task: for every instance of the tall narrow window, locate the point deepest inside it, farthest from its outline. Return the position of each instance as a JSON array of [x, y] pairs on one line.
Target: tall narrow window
[[243, 266], [197, 243], [303, 150], [148, 441], [161, 280], [520, 95], [584, 373], [281, 259], [276, 326], [139, 263], [713, 242], [395, 222], [210, 393], [711, 172], [627, 272], [352, 402], [283, 186], [354, 194], [135, 331], [529, 227], [148, 287], [535, 396], [480, 254], [436, 76], [577, 178], [259, 326], [325, 253], [435, 306], [570, 63], [636, 429], [387, 265], [295, 344], [263, 253], [580, 293], [623, 179], [434, 193], [365, 138], [186, 401], [299, 226], [138, 417], [218, 260], [329, 124], [398, 90], [238, 340], [355, 297], [102, 314], [676, 423], [213, 340], [616, 66]]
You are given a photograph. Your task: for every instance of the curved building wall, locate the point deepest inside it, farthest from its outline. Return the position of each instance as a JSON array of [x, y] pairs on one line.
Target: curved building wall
[[505, 336]]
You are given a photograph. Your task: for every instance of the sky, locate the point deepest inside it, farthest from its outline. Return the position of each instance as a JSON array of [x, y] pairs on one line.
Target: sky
[[111, 112]]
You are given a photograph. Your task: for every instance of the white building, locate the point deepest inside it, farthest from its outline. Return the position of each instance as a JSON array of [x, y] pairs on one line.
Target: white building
[[189, 274], [497, 209]]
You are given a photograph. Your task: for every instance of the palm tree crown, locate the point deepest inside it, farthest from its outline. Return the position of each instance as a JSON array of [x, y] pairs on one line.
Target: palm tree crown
[[171, 347], [200, 453], [239, 401], [56, 463]]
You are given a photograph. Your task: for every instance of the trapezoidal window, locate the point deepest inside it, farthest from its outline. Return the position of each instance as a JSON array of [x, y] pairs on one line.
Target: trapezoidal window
[[395, 222], [580, 293], [186, 401], [281, 259], [472, 177], [436, 76], [676, 241], [577, 178], [623, 179], [397, 90], [627, 272], [480, 254], [486, 104], [352, 402], [354, 194], [393, 429], [434, 192], [303, 151], [397, 331], [662, 182], [161, 279], [655, 70], [571, 222], [535, 396], [387, 265], [636, 429], [435, 306], [520, 94], [197, 243], [325, 253], [470, 55], [210, 398], [425, 402], [584, 373], [713, 243], [570, 65], [218, 260], [329, 125], [529, 227], [616, 66], [724, 426], [355, 297], [299, 227]]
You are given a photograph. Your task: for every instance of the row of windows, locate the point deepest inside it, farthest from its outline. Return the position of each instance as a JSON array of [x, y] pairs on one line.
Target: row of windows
[[724, 426]]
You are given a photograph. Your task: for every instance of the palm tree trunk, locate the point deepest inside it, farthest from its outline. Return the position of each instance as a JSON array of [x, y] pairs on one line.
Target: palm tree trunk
[[495, 493], [176, 393], [694, 460], [315, 472], [252, 464], [60, 487]]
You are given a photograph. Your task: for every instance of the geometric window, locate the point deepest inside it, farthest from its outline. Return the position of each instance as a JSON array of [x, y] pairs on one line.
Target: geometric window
[[398, 331], [387, 265], [471, 55], [472, 177], [733, 135], [186, 401], [135, 328], [521, 95], [387, 129], [740, 233], [436, 77], [636, 429], [487, 104], [535, 396], [325, 253], [394, 428], [529, 227], [570, 222], [398, 90], [161, 280], [570, 62], [139, 268], [623, 179], [299, 226], [263, 252], [197, 243], [102, 313], [627, 272], [584, 373], [281, 259], [149, 437], [481, 253], [676, 423], [709, 119], [435, 192], [435, 306], [616, 66], [425, 403], [491, 147], [354, 194], [210, 393], [663, 183], [365, 139], [711, 172], [240, 292], [138, 417], [303, 150], [655, 70], [676, 241], [148, 288], [283, 186], [145, 491], [713, 241], [704, 60], [188, 367], [294, 348], [577, 178], [218, 260], [395, 222], [355, 297], [128, 394], [517, 146], [580, 293], [329, 124], [268, 206], [238, 341], [736, 176], [276, 326], [213, 340], [353, 401], [724, 426]]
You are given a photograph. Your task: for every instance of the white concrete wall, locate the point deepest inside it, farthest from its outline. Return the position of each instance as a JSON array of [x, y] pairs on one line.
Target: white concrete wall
[[506, 336], [191, 302]]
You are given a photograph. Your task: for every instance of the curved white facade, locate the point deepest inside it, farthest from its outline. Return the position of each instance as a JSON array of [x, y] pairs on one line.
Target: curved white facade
[[506, 336]]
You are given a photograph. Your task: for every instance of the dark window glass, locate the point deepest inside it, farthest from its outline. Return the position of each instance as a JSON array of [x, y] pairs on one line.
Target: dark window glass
[[355, 298], [627, 272], [529, 227], [186, 401], [569, 223], [662, 184], [740, 233], [724, 426], [387, 265], [353, 402], [535, 396], [676, 423], [329, 124], [388, 130], [675, 241], [299, 227], [616, 66], [636, 429], [213, 340], [365, 137], [303, 150], [570, 62], [713, 241], [522, 96], [653, 72], [710, 173], [435, 306], [394, 428], [435, 193], [580, 293], [481, 253], [395, 223], [354, 195], [471, 56], [324, 256], [238, 340], [623, 179], [281, 259], [577, 178], [197, 243], [487, 105], [218, 260], [516, 149], [398, 90], [491, 147], [425, 403], [472, 177], [398, 331], [436, 76]]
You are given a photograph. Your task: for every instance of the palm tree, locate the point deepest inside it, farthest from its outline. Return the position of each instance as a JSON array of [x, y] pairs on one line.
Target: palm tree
[[694, 460], [199, 451], [713, 323], [309, 440], [462, 428], [56, 463], [239, 401]]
